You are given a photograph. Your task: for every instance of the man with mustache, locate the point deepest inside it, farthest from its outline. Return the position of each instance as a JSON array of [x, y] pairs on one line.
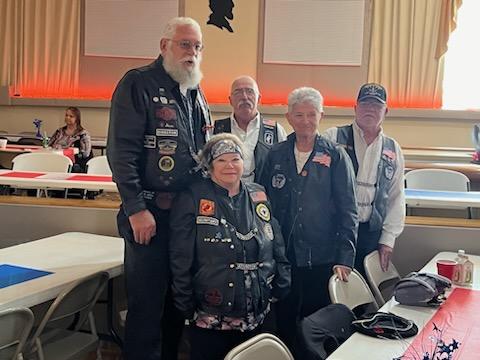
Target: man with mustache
[[159, 119], [257, 134], [379, 166]]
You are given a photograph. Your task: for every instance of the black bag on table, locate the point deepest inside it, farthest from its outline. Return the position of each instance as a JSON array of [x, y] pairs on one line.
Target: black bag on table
[[421, 289]]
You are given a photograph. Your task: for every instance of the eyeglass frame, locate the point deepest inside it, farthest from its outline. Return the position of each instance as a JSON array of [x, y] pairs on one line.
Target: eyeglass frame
[[187, 45]]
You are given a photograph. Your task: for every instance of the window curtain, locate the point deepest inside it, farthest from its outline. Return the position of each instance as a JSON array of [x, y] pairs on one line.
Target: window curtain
[[42, 51], [8, 9], [407, 36]]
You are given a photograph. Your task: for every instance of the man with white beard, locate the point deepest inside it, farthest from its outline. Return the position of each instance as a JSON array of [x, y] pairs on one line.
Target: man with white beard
[[159, 120]]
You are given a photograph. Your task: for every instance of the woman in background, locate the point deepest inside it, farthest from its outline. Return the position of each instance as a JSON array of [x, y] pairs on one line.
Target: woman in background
[[73, 135]]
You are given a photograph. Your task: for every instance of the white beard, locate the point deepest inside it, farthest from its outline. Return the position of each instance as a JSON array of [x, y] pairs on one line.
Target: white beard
[[185, 77]]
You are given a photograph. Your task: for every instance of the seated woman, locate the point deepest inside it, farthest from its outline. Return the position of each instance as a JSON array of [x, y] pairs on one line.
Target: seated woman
[[73, 135], [227, 255]]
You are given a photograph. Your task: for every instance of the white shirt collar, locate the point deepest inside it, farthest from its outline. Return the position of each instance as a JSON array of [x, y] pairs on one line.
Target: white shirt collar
[[254, 124]]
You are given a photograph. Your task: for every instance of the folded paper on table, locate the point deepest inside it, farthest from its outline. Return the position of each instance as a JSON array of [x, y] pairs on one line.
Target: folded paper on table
[[13, 274]]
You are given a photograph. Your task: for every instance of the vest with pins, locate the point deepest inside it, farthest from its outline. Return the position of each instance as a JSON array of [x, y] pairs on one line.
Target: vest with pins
[[387, 167]]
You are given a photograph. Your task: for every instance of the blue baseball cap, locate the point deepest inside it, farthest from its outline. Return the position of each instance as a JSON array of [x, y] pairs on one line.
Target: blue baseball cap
[[372, 91]]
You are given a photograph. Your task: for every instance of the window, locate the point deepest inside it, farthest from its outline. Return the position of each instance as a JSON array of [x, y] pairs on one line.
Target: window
[[461, 89]]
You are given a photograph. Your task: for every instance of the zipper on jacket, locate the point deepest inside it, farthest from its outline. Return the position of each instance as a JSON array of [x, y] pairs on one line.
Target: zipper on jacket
[[309, 261]]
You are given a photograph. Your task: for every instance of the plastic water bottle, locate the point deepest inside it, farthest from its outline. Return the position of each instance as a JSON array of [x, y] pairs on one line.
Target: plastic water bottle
[[463, 270]]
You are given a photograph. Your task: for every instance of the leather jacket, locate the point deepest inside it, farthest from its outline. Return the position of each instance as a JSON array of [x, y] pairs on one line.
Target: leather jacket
[[152, 141], [205, 252], [316, 208]]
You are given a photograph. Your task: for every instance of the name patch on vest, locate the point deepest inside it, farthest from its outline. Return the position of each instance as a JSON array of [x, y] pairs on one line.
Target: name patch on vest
[[166, 132], [206, 207], [207, 220]]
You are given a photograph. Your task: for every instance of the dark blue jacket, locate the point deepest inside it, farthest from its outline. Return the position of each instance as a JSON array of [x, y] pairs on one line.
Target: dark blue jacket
[[317, 208]]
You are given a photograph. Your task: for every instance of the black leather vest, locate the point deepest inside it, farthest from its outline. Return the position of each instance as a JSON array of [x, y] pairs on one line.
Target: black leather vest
[[267, 137]]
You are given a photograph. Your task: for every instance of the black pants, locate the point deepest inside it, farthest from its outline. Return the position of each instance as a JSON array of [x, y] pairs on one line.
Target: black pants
[[308, 293], [154, 326], [367, 241], [215, 344]]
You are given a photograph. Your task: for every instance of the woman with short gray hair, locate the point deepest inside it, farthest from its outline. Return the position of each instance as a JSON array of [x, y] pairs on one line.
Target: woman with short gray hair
[[311, 185]]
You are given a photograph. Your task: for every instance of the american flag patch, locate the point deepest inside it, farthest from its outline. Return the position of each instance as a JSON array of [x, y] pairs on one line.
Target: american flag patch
[[258, 196], [322, 158], [390, 154]]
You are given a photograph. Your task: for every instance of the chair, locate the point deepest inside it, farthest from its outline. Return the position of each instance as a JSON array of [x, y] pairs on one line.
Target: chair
[[355, 293], [15, 325], [29, 141], [438, 179], [98, 166], [76, 301], [42, 161], [381, 282], [261, 347]]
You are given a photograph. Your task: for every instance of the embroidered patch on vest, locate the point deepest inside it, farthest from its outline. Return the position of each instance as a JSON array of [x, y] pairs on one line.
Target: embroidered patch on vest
[[263, 212], [322, 159], [167, 114], [213, 297], [389, 172], [207, 220], [278, 181], [258, 196], [268, 231], [268, 137], [207, 207], [149, 141], [390, 154], [166, 132], [166, 163], [270, 123]]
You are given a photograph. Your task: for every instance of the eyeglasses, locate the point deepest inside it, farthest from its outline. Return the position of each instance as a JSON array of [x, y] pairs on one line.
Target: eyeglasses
[[187, 45]]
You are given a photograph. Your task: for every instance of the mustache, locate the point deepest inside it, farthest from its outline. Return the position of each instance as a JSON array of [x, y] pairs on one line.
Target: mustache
[[245, 102]]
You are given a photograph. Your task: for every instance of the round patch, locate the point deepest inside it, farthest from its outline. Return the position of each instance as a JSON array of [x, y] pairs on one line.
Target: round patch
[[268, 231], [166, 163], [278, 181], [213, 297], [263, 212], [389, 172]]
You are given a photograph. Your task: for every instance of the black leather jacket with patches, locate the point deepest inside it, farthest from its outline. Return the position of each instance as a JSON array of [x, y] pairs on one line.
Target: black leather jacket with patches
[[152, 139], [213, 239]]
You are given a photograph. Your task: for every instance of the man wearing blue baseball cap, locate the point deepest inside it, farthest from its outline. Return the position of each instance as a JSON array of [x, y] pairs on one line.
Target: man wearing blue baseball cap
[[379, 167]]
